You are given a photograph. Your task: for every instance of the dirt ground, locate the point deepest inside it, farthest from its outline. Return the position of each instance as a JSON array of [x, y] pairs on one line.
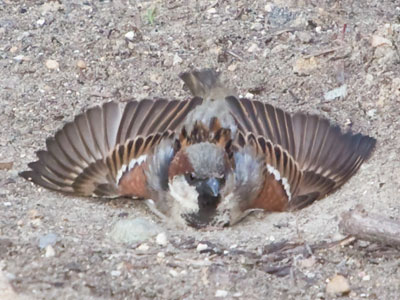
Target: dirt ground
[[59, 58]]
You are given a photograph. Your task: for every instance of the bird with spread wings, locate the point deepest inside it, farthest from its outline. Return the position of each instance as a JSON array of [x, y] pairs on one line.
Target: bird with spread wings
[[206, 161]]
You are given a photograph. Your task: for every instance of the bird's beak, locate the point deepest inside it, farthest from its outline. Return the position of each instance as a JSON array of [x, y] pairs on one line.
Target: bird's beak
[[209, 187]]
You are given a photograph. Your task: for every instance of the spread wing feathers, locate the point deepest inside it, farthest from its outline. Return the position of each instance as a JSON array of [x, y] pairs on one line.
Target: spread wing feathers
[[265, 120], [313, 186], [278, 162], [124, 157], [149, 116], [322, 149], [78, 159], [327, 157]]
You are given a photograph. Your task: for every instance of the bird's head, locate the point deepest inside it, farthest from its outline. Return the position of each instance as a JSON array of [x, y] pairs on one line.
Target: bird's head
[[198, 178]]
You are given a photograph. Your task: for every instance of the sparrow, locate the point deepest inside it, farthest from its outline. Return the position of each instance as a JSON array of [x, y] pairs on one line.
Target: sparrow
[[204, 162]]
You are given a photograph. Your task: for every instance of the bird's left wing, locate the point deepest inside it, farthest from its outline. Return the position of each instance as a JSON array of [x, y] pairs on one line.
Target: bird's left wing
[[90, 155]]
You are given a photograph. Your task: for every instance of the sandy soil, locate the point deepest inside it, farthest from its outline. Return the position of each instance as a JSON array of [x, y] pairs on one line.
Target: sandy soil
[[288, 53]]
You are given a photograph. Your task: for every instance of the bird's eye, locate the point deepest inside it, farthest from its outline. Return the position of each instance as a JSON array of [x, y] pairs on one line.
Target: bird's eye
[[190, 178]]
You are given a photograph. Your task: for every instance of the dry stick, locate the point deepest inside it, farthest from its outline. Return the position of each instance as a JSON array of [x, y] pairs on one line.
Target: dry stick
[[371, 227]]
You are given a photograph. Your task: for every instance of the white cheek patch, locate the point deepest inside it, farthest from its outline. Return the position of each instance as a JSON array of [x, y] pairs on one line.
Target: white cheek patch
[[126, 168], [185, 194], [283, 180]]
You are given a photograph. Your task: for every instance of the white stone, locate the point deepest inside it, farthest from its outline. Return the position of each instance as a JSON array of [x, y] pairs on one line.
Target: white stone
[[52, 64], [249, 96], [212, 11], [339, 92], [115, 273], [372, 112], [130, 35], [161, 239], [201, 247], [143, 247], [19, 58], [40, 22], [268, 7], [366, 278], [221, 293], [49, 251]]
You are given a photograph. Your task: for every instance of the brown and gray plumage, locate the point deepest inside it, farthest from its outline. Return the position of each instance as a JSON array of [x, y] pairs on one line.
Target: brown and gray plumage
[[206, 161]]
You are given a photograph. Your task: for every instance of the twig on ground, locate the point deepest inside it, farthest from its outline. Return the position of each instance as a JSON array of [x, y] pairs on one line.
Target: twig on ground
[[371, 227]]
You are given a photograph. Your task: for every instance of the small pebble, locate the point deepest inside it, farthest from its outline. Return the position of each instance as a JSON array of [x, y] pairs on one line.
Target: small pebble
[[50, 252], [19, 58], [173, 273], [52, 64], [115, 273], [161, 254], [257, 26], [40, 22], [130, 35], [34, 214], [372, 112], [307, 262], [369, 79], [339, 92], [366, 278], [249, 96], [133, 230], [212, 11], [48, 239], [81, 64], [143, 247], [253, 48], [177, 60], [304, 36], [36, 222], [156, 78], [221, 293], [201, 247], [268, 7], [338, 286], [279, 48], [304, 66], [232, 67], [161, 239]]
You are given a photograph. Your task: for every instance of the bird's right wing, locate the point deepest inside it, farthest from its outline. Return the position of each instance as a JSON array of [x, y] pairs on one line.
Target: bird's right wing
[[326, 156]]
